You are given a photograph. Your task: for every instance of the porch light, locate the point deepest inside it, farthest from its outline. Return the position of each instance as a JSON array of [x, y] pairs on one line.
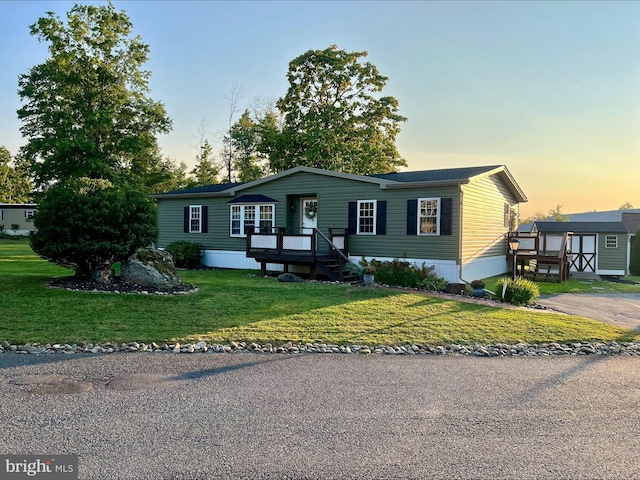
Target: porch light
[[514, 243]]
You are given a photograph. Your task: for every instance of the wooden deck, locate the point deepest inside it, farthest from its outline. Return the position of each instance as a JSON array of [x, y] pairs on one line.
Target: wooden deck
[[322, 254], [542, 256]]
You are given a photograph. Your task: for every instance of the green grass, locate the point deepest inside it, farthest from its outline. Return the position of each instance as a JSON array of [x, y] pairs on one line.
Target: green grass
[[577, 286], [233, 305]]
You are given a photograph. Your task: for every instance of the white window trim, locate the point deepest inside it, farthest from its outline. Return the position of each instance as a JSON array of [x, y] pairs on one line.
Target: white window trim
[[257, 206], [192, 209], [437, 232], [609, 237], [375, 217], [29, 213]]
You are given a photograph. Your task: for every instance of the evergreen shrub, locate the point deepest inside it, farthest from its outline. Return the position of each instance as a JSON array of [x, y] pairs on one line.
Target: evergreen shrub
[[185, 254]]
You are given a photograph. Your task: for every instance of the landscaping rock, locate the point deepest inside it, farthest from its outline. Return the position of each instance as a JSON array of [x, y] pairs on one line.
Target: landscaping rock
[[289, 278], [105, 276], [486, 351], [150, 268]]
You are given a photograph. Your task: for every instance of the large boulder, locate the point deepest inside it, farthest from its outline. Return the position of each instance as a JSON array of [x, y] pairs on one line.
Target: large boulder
[[150, 268]]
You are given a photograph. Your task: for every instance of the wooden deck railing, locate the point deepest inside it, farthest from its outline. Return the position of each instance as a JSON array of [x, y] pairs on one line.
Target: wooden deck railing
[[281, 246], [546, 254]]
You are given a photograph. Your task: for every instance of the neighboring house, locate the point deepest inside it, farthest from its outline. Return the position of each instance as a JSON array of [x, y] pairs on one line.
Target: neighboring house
[[17, 214], [454, 219], [596, 247]]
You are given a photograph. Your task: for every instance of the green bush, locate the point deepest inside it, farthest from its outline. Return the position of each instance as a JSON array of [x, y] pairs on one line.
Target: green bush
[[407, 274], [634, 265], [518, 292], [433, 283], [185, 254], [86, 223]]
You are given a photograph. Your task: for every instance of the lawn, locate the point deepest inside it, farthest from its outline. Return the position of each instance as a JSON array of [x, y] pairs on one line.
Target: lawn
[[577, 286], [238, 305]]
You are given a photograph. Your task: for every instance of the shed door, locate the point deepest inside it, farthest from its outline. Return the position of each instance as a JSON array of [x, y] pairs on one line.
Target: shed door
[[583, 248]]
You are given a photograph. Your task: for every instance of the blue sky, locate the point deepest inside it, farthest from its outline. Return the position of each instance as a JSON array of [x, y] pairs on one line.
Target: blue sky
[[550, 89]]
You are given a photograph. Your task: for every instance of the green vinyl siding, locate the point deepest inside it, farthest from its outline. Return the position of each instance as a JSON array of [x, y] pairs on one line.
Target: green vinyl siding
[[612, 258], [483, 224], [334, 195]]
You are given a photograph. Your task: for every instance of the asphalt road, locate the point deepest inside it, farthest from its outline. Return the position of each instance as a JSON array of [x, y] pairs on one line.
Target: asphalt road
[[620, 309], [246, 415]]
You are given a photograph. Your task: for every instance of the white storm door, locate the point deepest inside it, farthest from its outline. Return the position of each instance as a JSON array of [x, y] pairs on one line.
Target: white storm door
[[309, 214]]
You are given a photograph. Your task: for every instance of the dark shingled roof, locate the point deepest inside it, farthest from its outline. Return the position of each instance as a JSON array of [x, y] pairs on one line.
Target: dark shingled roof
[[217, 187], [253, 199], [582, 227], [443, 175]]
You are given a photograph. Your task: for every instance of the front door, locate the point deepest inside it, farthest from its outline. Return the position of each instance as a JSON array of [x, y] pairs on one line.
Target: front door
[[583, 248], [309, 214]]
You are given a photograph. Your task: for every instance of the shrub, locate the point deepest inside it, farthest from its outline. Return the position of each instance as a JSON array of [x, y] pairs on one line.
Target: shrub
[[185, 254], [634, 265], [87, 223], [407, 274], [518, 292], [434, 283]]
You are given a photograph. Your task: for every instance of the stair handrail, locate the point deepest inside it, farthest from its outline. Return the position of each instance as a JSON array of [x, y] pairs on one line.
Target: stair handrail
[[332, 245]]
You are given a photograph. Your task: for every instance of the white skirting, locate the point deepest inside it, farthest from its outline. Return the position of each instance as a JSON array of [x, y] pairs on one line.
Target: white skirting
[[484, 268], [601, 271], [447, 269]]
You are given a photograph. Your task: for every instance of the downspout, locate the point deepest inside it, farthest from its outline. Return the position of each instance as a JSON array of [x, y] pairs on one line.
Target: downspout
[[460, 232]]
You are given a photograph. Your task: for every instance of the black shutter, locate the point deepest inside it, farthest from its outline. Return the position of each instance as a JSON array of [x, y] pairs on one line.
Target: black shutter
[[381, 220], [353, 218], [205, 219], [186, 219], [446, 215], [412, 217]]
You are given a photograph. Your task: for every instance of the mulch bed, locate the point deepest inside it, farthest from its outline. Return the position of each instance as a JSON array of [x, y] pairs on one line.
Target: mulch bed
[[118, 286]]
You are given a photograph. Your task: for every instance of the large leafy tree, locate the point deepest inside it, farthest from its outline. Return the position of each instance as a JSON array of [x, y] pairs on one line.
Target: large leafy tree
[[86, 109], [335, 116], [15, 186]]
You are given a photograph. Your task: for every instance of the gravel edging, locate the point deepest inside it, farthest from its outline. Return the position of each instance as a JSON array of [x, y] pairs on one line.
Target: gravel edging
[[493, 350]]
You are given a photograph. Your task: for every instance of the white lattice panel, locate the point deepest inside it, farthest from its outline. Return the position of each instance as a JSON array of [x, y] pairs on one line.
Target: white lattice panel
[[264, 241], [296, 243]]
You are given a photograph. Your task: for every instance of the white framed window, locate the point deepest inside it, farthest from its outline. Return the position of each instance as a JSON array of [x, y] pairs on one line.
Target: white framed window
[[367, 217], [611, 241], [428, 216], [195, 218], [256, 218], [29, 214]]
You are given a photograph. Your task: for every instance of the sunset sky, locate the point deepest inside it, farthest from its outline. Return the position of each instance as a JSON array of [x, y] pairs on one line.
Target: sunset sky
[[550, 89]]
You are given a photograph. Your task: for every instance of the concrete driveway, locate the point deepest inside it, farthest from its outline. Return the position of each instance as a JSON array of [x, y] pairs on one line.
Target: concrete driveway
[[620, 309]]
